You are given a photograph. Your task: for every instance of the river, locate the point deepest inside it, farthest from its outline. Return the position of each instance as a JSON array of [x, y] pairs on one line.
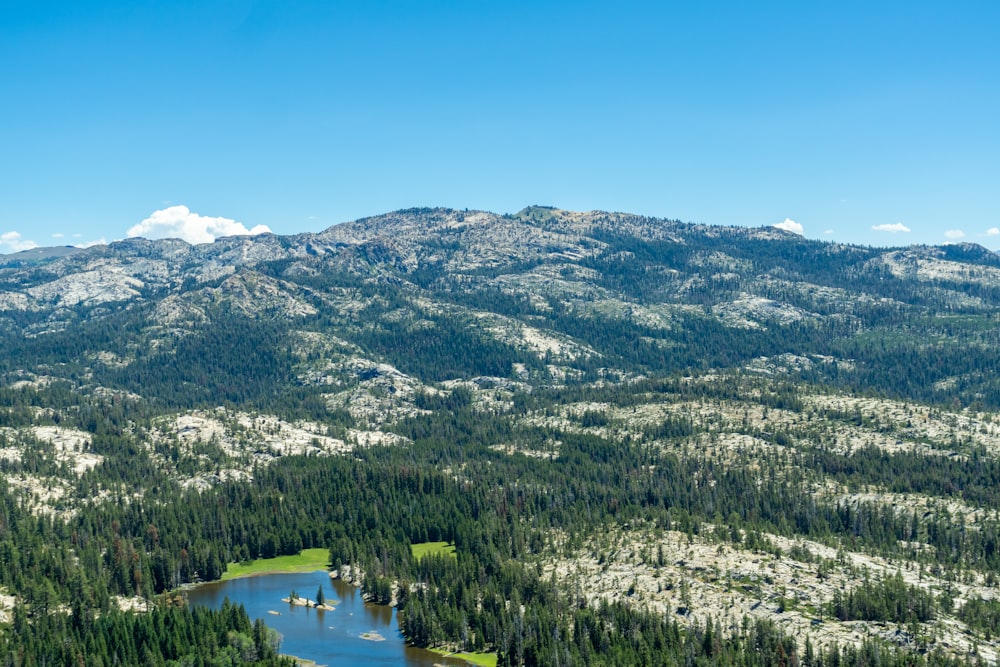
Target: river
[[326, 637]]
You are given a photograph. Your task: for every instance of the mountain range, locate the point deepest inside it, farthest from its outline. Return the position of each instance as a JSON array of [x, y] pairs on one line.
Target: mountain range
[[549, 293], [707, 423]]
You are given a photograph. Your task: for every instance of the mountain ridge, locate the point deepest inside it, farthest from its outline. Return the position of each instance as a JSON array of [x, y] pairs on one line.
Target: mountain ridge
[[383, 233], [593, 280]]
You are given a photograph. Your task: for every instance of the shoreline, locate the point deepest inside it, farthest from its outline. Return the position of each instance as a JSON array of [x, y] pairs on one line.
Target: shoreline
[[478, 659], [301, 662], [248, 575], [261, 573]]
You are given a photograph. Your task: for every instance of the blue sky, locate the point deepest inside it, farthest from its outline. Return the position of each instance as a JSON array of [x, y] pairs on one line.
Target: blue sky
[[849, 118]]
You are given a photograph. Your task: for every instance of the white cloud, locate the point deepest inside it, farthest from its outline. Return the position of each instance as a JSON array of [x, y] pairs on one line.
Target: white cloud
[[894, 228], [180, 223], [790, 225], [828, 232], [12, 242], [993, 231], [58, 235], [87, 244], [954, 234]]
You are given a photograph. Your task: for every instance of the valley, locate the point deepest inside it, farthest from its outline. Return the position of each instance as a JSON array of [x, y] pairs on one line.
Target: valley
[[718, 435]]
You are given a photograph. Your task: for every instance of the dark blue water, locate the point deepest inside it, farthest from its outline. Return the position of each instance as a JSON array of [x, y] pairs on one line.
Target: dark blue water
[[326, 637]]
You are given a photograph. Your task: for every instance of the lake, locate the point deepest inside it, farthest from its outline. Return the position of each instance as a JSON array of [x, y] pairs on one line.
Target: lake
[[326, 637]]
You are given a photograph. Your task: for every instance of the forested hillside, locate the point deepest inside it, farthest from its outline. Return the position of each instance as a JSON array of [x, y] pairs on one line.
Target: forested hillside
[[649, 441]]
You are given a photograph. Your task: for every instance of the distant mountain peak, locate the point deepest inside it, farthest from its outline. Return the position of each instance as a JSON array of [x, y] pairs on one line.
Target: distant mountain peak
[[38, 254]]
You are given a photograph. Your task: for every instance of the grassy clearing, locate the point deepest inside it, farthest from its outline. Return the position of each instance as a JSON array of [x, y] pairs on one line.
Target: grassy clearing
[[480, 659], [307, 561], [424, 548]]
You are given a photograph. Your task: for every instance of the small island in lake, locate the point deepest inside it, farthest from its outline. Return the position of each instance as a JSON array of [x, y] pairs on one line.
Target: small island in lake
[[326, 605]]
